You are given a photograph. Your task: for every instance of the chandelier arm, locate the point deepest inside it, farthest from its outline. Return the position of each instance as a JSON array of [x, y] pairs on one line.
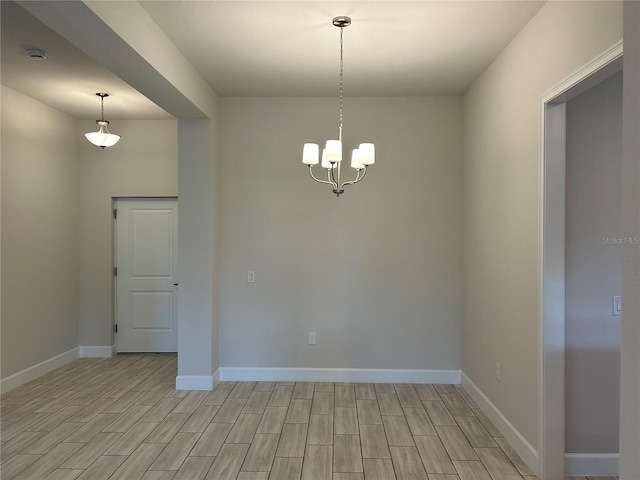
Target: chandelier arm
[[316, 178], [358, 177], [332, 178]]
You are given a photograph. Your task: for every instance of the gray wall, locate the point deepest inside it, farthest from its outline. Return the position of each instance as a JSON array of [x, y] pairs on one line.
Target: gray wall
[[593, 272], [197, 306], [39, 232], [500, 199], [376, 272], [143, 164], [630, 360]]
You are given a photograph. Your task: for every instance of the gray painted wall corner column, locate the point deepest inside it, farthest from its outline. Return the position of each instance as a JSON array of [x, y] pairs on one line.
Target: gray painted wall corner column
[[196, 352], [630, 347]]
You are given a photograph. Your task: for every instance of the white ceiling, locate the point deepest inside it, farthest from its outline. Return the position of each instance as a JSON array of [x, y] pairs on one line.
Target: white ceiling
[[267, 48], [68, 79], [290, 48]]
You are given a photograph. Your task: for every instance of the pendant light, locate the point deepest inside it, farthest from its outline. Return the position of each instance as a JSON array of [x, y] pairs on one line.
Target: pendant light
[[331, 158], [102, 138]]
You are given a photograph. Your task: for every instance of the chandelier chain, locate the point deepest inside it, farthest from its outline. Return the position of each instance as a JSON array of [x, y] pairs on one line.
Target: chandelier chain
[[341, 83], [102, 108], [332, 156]]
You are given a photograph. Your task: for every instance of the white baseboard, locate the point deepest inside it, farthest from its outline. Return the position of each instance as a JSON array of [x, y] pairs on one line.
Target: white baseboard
[[194, 382], [35, 371], [511, 434], [216, 377], [339, 375], [591, 464], [97, 351]]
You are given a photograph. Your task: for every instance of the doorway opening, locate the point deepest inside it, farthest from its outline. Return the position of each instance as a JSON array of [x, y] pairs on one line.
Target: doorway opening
[[552, 225]]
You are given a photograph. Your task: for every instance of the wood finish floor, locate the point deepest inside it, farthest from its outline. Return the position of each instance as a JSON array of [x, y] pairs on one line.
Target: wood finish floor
[[121, 418]]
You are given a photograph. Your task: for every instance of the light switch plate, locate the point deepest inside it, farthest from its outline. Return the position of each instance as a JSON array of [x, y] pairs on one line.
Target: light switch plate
[[617, 306]]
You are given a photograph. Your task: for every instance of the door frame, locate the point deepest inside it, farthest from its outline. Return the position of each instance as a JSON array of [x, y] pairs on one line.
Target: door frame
[[114, 261], [551, 249]]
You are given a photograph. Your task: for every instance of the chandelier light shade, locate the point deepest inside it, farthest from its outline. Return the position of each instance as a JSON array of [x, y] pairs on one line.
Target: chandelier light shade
[[331, 157], [102, 138]]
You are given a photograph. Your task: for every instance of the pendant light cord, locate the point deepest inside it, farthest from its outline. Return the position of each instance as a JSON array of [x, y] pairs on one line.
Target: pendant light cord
[[101, 108], [341, 84]]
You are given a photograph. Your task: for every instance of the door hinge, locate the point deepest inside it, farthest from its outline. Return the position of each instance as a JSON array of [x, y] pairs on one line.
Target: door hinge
[[115, 213], [115, 271], [116, 328]]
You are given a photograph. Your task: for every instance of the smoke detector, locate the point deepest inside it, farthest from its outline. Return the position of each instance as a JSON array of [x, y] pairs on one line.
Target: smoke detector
[[37, 54]]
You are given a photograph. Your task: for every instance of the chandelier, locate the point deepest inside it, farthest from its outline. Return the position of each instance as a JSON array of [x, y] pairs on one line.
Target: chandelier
[[331, 159], [102, 138]]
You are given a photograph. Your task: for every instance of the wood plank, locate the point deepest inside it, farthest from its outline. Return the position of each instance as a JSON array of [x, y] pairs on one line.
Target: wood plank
[[257, 402], [281, 396], [512, 455], [228, 462], [127, 443], [322, 403], [272, 420], [419, 422], [408, 396], [487, 423], [438, 413], [475, 432], [176, 452], [407, 463], [261, 452], [368, 412], [473, 470], [378, 469], [211, 441], [166, 429], [244, 429], [286, 468], [374, 442], [365, 391], [345, 396], [90, 451], [202, 416], [456, 405], [389, 404], [194, 468], [318, 462], [139, 461], [303, 390], [229, 410], [242, 390], [345, 421], [456, 443], [426, 392], [103, 468], [346, 453], [434, 456], [320, 430], [497, 464], [397, 431], [299, 410], [292, 440]]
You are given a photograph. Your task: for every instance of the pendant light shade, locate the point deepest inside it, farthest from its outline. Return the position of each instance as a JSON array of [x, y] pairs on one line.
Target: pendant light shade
[[102, 138]]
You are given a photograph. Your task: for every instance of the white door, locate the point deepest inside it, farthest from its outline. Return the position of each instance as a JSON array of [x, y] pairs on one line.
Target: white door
[[146, 281]]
